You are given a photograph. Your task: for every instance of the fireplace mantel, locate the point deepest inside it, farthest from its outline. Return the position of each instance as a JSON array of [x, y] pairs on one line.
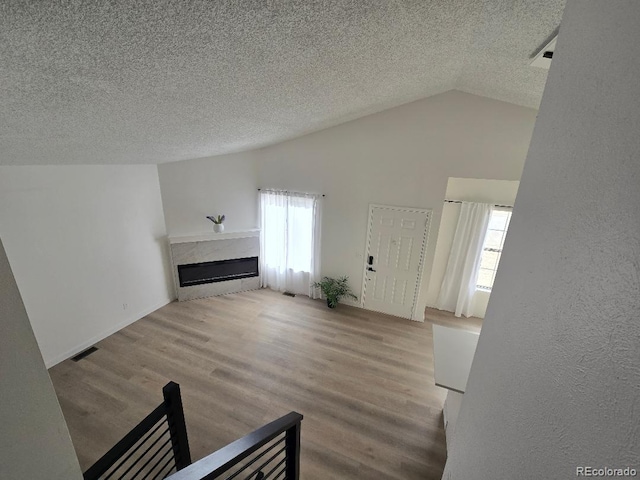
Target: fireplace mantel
[[205, 237]]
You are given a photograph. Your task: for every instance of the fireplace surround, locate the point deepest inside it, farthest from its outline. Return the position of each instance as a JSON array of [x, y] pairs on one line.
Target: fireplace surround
[[215, 264]]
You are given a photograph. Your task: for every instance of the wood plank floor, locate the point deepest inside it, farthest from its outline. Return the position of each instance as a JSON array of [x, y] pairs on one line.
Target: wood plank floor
[[362, 380]]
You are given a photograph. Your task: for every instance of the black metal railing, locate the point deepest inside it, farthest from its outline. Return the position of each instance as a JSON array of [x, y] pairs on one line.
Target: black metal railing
[[270, 452], [158, 447], [155, 448]]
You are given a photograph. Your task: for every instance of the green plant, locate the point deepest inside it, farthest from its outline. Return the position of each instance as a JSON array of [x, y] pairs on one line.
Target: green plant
[[217, 220], [334, 289]]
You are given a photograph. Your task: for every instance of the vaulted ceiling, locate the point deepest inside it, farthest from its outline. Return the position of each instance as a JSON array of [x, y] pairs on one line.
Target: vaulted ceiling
[[153, 81]]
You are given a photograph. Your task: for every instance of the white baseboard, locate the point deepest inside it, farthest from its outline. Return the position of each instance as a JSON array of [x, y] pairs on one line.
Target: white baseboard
[[101, 336]]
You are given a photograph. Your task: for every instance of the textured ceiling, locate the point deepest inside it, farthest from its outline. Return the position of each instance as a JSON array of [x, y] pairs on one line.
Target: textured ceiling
[[97, 82]]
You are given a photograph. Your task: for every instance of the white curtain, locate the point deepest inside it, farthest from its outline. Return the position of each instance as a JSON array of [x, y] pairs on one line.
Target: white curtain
[[290, 241], [461, 276]]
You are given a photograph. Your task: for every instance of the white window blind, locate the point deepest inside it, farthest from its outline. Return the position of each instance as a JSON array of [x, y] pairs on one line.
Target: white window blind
[[492, 248]]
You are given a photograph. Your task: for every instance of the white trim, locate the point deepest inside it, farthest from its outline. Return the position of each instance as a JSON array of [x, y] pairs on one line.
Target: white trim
[[425, 242], [367, 244], [425, 238], [110, 331], [206, 237], [400, 209]]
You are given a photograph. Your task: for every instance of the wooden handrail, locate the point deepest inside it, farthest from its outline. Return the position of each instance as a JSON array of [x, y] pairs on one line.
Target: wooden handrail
[[220, 461]]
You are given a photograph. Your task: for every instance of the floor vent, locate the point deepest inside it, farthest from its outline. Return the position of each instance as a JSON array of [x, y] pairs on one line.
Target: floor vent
[[84, 353], [289, 294]]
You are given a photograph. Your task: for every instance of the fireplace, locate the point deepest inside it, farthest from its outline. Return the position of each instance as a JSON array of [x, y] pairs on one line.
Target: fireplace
[[211, 264], [218, 271]]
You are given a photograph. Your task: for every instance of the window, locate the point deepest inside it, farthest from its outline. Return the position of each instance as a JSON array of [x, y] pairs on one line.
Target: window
[[492, 248], [290, 241], [288, 234]]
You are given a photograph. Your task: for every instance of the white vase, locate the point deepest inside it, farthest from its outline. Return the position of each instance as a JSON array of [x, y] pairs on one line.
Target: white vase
[[218, 227]]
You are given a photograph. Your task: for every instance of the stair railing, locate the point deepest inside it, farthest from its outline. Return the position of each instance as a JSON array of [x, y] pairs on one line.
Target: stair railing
[[270, 452], [155, 447], [158, 446]]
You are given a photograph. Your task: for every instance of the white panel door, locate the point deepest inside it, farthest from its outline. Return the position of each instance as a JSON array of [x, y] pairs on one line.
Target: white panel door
[[393, 263]]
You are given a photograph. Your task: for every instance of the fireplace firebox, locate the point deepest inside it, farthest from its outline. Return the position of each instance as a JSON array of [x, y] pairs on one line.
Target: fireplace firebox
[[218, 271]]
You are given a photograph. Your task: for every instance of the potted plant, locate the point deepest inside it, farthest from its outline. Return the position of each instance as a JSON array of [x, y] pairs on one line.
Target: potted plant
[[218, 223], [334, 289]]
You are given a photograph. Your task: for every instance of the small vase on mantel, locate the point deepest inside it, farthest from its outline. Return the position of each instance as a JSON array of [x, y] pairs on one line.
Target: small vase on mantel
[[218, 221]]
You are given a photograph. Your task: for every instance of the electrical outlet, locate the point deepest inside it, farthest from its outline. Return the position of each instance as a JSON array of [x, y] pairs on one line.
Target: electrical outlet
[[125, 306]]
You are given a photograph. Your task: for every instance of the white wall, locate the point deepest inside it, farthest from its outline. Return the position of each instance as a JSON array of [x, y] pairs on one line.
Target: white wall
[[403, 156], [499, 192], [555, 381], [87, 246], [194, 189], [34, 440]]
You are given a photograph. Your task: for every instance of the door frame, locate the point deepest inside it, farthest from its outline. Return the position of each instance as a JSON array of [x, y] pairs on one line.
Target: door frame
[[425, 241]]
